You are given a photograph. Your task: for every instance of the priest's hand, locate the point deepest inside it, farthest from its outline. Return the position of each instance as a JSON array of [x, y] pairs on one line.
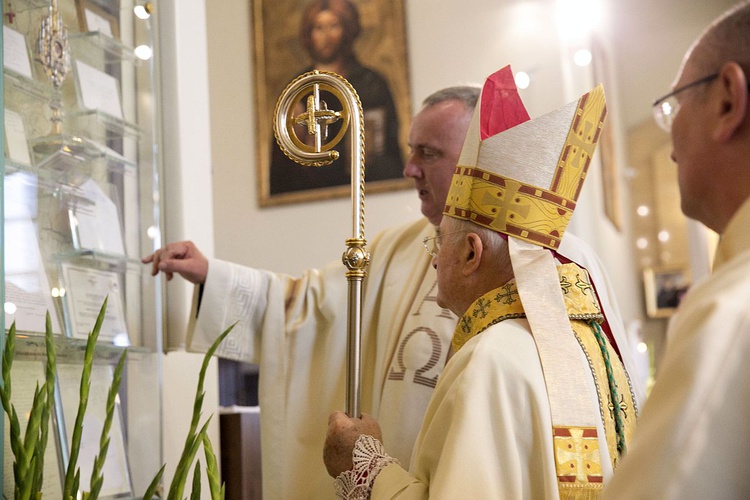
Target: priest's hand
[[183, 258], [343, 432]]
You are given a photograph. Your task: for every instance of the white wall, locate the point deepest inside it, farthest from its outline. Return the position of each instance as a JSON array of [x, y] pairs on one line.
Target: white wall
[[188, 213], [649, 39]]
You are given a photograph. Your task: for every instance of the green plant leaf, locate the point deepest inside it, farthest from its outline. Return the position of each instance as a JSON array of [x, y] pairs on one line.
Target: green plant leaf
[[71, 484], [192, 441], [27, 461], [8, 354], [15, 439], [26, 486], [199, 393], [76, 482], [49, 342], [183, 467], [16, 444], [195, 494], [151, 490], [212, 468], [97, 479]]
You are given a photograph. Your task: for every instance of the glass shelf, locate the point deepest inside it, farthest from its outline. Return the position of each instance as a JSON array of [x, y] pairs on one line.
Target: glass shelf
[[102, 260], [70, 350], [94, 119], [115, 49], [68, 159], [32, 88]]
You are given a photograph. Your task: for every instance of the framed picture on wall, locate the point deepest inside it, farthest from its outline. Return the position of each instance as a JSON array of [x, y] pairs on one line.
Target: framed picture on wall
[[664, 289], [365, 42], [93, 17], [607, 151]]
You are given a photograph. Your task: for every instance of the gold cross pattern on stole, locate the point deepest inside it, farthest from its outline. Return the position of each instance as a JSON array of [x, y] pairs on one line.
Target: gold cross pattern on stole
[[622, 405]]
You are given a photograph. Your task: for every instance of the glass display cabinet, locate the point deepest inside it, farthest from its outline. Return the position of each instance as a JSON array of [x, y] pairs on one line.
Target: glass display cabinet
[[81, 206]]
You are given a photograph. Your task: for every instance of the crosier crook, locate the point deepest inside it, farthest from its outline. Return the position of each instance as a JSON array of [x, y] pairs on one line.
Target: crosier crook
[[316, 118]]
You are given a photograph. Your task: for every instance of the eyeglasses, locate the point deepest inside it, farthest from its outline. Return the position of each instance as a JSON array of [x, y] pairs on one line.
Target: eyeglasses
[[432, 243], [666, 108]]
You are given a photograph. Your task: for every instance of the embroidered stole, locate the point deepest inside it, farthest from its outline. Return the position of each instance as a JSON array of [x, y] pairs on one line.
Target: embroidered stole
[[577, 457]]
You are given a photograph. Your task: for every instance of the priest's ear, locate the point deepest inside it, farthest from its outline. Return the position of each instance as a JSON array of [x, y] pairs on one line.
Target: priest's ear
[[473, 250], [733, 92]]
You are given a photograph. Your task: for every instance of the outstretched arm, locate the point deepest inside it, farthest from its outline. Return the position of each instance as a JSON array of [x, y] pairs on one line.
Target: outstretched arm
[[183, 258]]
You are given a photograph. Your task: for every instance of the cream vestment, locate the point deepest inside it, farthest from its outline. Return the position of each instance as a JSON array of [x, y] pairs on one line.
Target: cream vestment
[[487, 431], [690, 441]]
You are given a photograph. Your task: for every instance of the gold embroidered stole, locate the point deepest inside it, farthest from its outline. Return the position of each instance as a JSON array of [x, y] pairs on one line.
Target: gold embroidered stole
[[577, 457]]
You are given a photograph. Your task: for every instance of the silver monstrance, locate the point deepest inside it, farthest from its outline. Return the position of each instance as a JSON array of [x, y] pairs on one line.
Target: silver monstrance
[[53, 53]]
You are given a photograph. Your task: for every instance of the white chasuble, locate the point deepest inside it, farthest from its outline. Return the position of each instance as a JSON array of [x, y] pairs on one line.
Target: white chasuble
[[415, 365]]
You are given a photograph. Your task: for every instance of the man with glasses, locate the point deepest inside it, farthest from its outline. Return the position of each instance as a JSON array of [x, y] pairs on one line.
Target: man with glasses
[[535, 401], [692, 440], [295, 328]]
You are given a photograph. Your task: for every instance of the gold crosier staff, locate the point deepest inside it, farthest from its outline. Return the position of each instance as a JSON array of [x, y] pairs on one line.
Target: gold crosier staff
[[316, 118]]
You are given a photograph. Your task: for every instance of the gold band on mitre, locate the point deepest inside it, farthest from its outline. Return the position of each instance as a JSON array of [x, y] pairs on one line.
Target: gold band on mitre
[[482, 194]]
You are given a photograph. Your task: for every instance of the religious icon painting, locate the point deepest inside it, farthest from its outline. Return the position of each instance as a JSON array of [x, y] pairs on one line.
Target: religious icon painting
[[365, 42]]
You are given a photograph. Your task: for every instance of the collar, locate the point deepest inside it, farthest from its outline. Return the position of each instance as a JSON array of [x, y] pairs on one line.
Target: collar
[[736, 238], [504, 303]]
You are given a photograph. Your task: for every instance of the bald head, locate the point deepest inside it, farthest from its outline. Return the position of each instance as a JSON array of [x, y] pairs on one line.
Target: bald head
[[726, 39]]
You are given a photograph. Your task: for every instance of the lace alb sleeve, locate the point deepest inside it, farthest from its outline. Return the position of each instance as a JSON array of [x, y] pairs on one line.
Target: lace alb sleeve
[[369, 459]]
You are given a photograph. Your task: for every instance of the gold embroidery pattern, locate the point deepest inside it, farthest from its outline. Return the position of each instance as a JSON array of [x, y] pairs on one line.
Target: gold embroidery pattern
[[508, 206], [580, 144], [578, 462], [577, 454], [590, 346], [504, 303]]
